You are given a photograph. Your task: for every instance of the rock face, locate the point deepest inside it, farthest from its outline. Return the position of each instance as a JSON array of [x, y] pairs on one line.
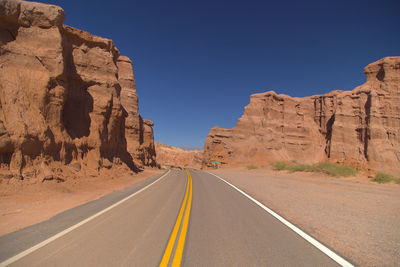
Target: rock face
[[138, 132], [66, 96], [362, 125], [170, 156]]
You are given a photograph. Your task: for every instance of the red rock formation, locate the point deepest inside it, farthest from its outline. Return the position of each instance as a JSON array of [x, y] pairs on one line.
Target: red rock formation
[[170, 156], [361, 125], [138, 132], [60, 95], [147, 150]]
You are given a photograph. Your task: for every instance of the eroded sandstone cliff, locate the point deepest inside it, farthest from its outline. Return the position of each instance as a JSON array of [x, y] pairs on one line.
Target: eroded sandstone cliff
[[65, 97], [362, 125], [170, 156], [138, 132]]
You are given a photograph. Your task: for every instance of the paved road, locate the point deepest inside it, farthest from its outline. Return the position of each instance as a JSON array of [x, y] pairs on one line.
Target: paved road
[[224, 228]]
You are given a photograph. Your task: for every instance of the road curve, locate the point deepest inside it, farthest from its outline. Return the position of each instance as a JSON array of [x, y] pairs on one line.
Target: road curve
[[224, 228]]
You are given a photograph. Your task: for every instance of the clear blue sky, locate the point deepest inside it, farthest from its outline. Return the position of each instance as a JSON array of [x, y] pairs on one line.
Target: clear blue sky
[[197, 62]]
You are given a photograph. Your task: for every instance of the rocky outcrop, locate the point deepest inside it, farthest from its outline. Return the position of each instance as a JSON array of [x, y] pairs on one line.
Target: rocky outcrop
[[147, 150], [138, 132], [60, 93], [170, 156], [362, 125]]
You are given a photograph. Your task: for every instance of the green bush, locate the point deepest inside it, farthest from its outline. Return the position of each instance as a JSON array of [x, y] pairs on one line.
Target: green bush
[[279, 166], [336, 169], [331, 169], [383, 178], [302, 168], [252, 167]]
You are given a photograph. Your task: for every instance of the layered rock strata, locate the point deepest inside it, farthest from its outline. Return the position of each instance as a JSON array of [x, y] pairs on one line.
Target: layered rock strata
[[362, 125], [138, 132], [175, 157], [65, 96]]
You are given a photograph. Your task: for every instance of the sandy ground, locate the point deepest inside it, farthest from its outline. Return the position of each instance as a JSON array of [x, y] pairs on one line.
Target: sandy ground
[[357, 218], [24, 204]]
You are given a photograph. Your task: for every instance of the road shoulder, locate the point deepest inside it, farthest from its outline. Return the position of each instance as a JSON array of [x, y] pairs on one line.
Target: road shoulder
[[27, 237], [357, 219], [24, 205]]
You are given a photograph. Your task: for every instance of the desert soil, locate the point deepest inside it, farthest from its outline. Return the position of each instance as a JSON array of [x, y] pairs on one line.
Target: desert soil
[[24, 204], [358, 218]]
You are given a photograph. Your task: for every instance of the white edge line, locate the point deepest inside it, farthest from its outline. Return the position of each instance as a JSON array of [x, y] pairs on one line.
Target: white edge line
[[310, 239], [66, 231]]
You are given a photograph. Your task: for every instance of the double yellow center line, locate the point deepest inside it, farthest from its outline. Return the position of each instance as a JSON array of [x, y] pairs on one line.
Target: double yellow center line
[[187, 202]]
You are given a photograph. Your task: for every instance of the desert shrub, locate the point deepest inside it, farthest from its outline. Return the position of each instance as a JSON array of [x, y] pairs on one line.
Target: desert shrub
[[383, 178], [302, 168], [336, 169], [295, 168], [279, 166], [331, 169], [252, 167]]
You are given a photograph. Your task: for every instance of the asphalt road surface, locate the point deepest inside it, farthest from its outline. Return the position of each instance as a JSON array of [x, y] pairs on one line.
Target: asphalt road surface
[[183, 218]]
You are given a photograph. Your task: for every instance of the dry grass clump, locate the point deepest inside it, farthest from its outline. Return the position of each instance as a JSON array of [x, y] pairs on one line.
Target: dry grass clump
[[252, 167], [332, 169], [384, 178]]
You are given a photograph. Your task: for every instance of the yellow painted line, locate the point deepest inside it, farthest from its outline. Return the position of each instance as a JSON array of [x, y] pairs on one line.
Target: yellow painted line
[[171, 242], [182, 237]]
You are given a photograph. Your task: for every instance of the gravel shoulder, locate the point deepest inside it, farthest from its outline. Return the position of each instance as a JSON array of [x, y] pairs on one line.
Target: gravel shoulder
[[22, 204], [357, 218]]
